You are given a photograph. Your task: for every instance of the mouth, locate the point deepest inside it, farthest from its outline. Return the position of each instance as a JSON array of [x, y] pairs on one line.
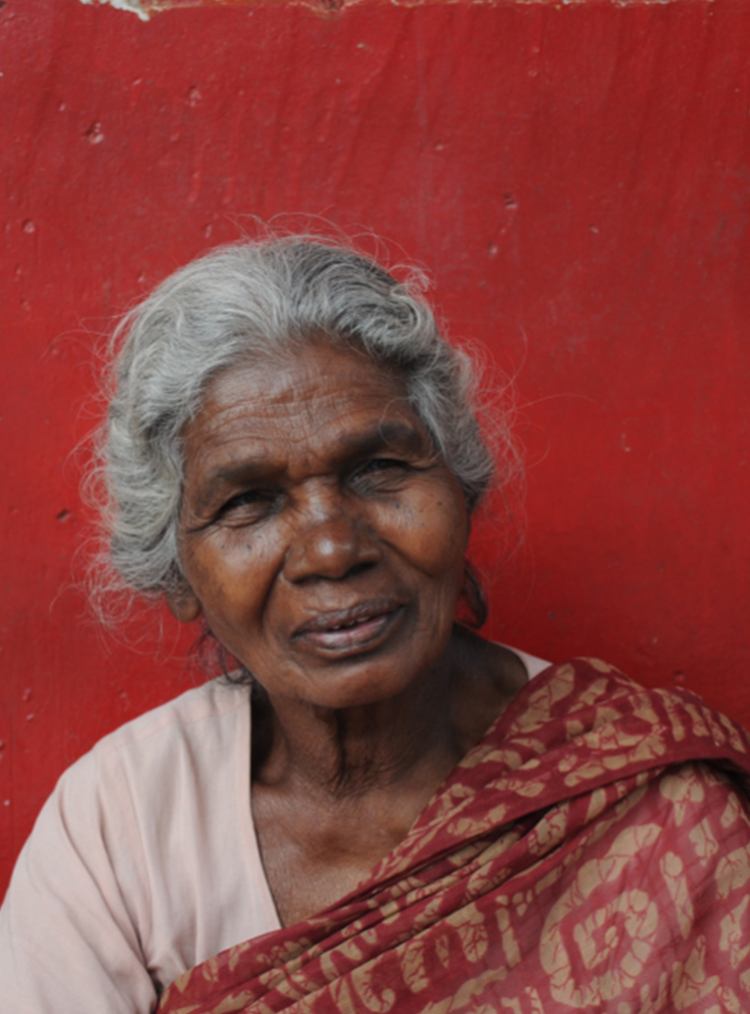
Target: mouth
[[342, 630]]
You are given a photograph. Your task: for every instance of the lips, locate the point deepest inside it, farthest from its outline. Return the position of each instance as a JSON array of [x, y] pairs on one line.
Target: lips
[[340, 630]]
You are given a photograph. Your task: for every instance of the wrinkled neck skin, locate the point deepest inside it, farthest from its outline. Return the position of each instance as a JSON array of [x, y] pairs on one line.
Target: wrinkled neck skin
[[339, 788], [415, 737]]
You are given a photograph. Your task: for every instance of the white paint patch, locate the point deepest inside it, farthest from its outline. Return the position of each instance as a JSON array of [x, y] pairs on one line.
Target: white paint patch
[[143, 7], [124, 5]]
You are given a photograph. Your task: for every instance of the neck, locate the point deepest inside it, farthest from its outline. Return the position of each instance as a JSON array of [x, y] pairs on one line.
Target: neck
[[348, 752], [414, 738]]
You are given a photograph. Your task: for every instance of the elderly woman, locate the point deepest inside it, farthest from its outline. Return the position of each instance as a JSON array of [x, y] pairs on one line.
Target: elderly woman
[[378, 810]]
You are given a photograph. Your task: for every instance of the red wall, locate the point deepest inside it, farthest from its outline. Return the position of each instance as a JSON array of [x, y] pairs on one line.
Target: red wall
[[576, 178]]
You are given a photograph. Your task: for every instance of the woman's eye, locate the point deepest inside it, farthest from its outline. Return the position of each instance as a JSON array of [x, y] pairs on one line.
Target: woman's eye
[[386, 465], [249, 505], [381, 471]]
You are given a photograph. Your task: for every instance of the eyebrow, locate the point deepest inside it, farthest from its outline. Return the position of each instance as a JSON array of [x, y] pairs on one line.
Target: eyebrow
[[394, 435]]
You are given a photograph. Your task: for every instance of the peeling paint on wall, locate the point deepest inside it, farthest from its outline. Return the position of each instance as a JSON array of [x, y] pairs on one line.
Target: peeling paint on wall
[[144, 8], [125, 5]]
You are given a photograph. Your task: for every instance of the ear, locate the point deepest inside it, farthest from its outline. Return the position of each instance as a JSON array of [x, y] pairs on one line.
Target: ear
[[184, 605]]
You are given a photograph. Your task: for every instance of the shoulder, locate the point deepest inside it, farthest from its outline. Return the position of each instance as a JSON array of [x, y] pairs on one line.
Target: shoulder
[[588, 697], [198, 722], [195, 710], [583, 726], [138, 833], [166, 760]]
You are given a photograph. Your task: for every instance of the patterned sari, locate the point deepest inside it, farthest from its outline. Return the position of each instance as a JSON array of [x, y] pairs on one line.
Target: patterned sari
[[592, 852]]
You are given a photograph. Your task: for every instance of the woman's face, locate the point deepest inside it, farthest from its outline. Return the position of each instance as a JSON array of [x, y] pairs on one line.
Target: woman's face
[[321, 535]]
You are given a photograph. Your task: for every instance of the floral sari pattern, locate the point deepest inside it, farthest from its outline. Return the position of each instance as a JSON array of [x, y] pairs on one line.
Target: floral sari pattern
[[592, 852]]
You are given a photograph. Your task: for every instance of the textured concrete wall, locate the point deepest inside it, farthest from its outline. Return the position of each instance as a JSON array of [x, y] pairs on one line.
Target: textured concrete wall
[[577, 180]]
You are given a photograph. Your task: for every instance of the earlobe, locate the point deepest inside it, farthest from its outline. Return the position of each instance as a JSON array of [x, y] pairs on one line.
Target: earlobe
[[184, 605]]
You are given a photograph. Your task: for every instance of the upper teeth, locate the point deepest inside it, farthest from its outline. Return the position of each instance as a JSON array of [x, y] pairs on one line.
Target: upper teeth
[[345, 626]]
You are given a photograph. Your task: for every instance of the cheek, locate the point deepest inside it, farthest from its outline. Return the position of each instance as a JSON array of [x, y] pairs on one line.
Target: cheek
[[432, 532], [229, 575]]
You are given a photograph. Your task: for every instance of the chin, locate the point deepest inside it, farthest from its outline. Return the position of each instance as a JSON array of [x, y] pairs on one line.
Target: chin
[[355, 690]]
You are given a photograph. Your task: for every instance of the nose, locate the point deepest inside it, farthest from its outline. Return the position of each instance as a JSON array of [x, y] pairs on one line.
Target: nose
[[331, 541]]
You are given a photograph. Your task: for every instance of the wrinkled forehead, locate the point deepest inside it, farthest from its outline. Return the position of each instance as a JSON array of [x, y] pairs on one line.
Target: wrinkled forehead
[[317, 354], [319, 402]]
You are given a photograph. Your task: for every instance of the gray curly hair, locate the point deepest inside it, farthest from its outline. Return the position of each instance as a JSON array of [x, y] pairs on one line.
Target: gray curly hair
[[237, 303]]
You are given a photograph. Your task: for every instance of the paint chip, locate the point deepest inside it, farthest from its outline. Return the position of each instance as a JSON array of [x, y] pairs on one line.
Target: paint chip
[[95, 134], [122, 5]]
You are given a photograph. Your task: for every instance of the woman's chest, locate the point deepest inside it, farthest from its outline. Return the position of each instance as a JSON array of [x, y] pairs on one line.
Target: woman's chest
[[313, 856]]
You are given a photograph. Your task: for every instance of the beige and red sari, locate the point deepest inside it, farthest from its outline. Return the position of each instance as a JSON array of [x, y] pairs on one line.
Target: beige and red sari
[[591, 853]]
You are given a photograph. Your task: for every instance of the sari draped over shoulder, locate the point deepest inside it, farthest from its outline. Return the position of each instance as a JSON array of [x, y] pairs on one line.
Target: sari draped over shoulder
[[592, 852]]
